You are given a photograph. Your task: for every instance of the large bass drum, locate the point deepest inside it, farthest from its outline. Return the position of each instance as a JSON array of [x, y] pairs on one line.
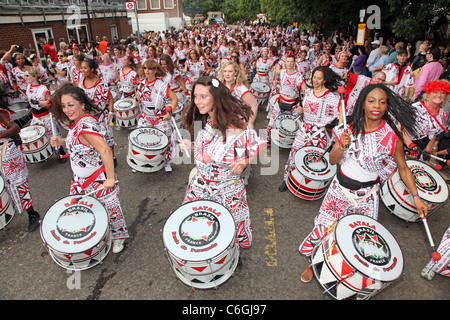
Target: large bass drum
[[77, 236], [200, 241], [357, 259]]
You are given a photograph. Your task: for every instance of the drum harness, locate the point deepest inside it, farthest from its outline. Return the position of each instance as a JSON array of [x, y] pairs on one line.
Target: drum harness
[[341, 179]]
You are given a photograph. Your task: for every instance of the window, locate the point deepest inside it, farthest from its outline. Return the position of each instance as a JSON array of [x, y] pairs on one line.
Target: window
[[141, 4], [78, 34], [40, 37], [168, 4], [155, 5]]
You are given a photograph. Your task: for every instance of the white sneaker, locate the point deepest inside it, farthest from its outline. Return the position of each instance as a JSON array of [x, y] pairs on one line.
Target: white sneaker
[[118, 245], [427, 273], [168, 168]]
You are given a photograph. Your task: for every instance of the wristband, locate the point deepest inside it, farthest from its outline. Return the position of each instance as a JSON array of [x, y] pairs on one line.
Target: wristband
[[415, 195]]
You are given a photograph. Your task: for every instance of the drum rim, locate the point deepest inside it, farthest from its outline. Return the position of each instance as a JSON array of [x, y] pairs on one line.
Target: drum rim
[[166, 141], [46, 242], [225, 247], [423, 194], [400, 253], [44, 133], [131, 101], [326, 155]]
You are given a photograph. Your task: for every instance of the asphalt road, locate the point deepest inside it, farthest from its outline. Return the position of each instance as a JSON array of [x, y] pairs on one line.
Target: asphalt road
[[271, 267]]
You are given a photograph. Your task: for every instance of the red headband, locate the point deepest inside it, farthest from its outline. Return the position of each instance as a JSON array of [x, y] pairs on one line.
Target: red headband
[[437, 85]]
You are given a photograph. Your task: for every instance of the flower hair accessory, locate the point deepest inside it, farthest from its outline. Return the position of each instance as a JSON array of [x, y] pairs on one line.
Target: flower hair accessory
[[215, 83], [437, 85]]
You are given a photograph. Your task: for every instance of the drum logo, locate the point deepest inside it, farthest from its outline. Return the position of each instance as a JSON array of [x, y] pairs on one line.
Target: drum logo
[[424, 180], [315, 161], [199, 228], [371, 246], [75, 222]]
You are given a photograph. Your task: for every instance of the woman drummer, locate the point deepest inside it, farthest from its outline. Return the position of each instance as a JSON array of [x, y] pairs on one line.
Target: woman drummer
[[235, 80], [320, 107], [39, 99], [368, 153], [291, 83], [222, 150], [14, 170], [90, 156], [97, 90], [439, 266], [152, 97]]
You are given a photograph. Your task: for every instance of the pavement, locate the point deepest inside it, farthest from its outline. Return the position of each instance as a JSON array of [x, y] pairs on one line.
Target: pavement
[[271, 267]]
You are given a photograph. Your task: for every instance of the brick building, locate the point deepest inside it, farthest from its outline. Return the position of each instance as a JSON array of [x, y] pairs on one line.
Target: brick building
[[31, 22], [158, 15]]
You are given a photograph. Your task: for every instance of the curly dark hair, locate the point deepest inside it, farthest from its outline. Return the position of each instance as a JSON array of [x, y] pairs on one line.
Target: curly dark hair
[[228, 111], [78, 94]]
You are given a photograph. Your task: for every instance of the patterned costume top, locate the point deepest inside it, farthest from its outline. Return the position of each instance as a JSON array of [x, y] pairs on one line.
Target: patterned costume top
[[74, 74], [239, 91], [109, 72], [19, 76], [341, 72], [181, 53], [303, 67], [126, 80], [372, 157], [263, 66], [195, 69], [428, 125], [172, 80], [62, 66], [98, 93], [153, 95], [213, 157], [320, 111], [37, 92], [405, 77], [290, 84], [84, 159]]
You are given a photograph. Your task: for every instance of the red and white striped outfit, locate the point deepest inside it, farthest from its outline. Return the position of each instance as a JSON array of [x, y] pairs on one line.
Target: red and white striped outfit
[[128, 83]]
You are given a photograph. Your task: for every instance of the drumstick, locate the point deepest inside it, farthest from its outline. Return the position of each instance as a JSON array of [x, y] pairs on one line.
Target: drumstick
[[75, 200], [169, 110], [438, 166], [435, 255]]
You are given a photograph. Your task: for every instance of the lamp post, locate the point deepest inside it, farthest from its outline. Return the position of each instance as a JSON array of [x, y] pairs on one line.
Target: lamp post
[[89, 21]]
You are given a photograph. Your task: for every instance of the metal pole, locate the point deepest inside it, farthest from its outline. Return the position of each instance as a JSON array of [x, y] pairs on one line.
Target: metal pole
[[89, 21], [137, 20]]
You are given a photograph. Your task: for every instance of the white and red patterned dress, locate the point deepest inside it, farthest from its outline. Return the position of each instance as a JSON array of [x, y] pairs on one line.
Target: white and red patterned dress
[[109, 76], [154, 97], [317, 113], [89, 173], [15, 174], [99, 93], [404, 76], [366, 160], [442, 266], [128, 83], [263, 67], [290, 86], [214, 180]]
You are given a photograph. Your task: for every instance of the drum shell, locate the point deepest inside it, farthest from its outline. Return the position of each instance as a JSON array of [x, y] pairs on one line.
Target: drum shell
[[7, 210], [342, 279], [144, 159], [213, 261], [126, 117], [76, 253], [261, 91], [306, 183], [37, 148], [399, 201], [282, 136]]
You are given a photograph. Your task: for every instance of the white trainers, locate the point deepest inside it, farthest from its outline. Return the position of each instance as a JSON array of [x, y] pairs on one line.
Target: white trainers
[[118, 245], [427, 273], [168, 168]]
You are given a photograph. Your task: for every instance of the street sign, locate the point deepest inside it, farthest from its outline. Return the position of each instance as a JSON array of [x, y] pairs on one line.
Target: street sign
[[130, 6]]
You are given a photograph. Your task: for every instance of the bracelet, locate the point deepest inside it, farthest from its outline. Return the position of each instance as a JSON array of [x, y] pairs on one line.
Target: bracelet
[[111, 112], [340, 147], [415, 195]]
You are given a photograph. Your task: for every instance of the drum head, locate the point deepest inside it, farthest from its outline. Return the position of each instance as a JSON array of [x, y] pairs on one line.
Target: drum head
[[31, 133], [313, 163], [287, 124], [369, 247], [260, 87], [124, 104], [149, 138], [74, 228], [199, 230], [430, 184]]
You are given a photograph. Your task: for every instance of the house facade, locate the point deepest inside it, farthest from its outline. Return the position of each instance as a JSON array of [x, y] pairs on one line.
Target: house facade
[[157, 15]]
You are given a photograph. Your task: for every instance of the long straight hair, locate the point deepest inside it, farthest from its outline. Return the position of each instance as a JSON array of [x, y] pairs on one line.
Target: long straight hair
[[227, 110], [398, 111]]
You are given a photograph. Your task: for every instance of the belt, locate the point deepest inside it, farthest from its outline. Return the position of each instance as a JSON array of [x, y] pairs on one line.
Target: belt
[[354, 184]]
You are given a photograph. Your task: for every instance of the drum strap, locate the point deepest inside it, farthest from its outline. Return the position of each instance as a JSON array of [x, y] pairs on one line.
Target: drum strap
[[92, 177], [4, 146]]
